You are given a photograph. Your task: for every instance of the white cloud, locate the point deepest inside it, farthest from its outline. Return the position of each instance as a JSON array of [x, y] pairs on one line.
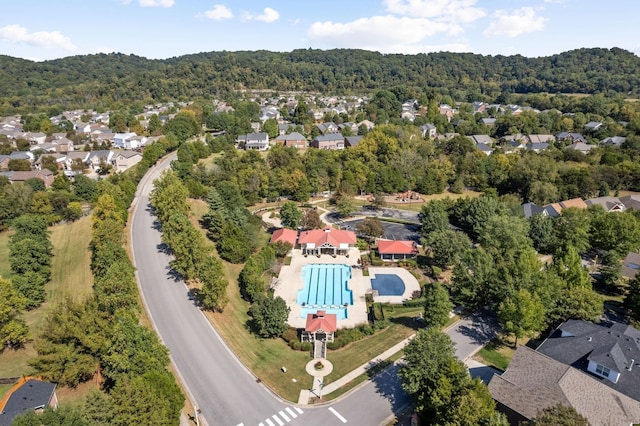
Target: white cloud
[[219, 12], [386, 34], [156, 3], [516, 22], [47, 39], [458, 11], [268, 15]]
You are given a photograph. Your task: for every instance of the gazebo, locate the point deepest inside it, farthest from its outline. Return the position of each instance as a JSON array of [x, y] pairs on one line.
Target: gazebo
[[320, 327]]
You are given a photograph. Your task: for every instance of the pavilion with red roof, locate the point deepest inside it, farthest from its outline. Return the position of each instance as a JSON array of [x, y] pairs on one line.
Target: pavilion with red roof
[[327, 240], [320, 326], [285, 235], [391, 250]]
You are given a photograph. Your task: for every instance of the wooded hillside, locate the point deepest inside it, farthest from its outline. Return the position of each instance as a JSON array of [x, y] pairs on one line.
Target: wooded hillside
[[107, 81]]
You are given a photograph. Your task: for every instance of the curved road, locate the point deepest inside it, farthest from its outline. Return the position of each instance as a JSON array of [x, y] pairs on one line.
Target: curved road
[[216, 382]]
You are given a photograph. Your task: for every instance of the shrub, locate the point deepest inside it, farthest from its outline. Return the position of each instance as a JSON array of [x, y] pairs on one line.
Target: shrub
[[306, 346], [295, 345], [290, 335]]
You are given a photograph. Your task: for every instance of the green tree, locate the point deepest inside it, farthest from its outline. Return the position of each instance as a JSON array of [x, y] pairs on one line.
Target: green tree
[[434, 217], [522, 315], [117, 288], [19, 165], [186, 243], [345, 206], [73, 211], [371, 228], [213, 294], [13, 330], [572, 229], [447, 246], [476, 213], [632, 299], [311, 220], [378, 200], [611, 272], [475, 279], [64, 415], [569, 267], [290, 215], [30, 285], [85, 188], [505, 236], [270, 127], [437, 305], [577, 303], [542, 233], [169, 196], [619, 232], [269, 316]]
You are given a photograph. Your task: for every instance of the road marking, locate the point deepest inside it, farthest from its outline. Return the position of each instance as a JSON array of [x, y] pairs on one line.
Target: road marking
[[270, 423], [298, 410], [291, 412], [335, 413], [277, 419], [261, 424], [284, 416]]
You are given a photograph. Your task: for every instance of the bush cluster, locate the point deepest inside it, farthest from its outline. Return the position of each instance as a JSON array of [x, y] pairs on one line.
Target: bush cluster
[[252, 284], [345, 336]]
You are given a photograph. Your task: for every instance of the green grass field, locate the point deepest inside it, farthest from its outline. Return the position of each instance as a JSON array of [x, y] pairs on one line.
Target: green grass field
[[70, 278], [5, 269], [497, 353]]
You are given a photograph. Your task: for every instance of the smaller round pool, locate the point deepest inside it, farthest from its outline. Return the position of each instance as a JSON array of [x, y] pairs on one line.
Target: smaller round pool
[[388, 285]]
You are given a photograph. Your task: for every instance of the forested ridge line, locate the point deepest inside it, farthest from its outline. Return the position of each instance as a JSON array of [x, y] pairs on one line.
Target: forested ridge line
[[109, 80]]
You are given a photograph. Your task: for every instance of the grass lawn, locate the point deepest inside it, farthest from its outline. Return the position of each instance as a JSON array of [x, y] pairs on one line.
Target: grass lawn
[[70, 278], [5, 269], [497, 353]]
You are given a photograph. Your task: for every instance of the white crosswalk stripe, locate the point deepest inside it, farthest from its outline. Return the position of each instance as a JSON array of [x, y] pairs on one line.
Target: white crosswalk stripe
[[270, 423], [299, 410], [277, 419], [291, 412], [284, 416], [261, 424]]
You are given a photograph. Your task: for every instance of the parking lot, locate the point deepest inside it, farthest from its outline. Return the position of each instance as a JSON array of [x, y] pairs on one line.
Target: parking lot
[[392, 231]]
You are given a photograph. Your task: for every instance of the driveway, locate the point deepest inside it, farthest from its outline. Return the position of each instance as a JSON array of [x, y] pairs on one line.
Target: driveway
[[472, 333]]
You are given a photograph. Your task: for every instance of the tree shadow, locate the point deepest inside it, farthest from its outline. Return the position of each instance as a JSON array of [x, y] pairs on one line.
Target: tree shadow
[[483, 328], [387, 384], [484, 373], [174, 275], [164, 248], [411, 323], [195, 296]]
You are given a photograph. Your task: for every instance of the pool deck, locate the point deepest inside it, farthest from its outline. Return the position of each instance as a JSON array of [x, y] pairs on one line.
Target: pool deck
[[290, 281], [410, 283]]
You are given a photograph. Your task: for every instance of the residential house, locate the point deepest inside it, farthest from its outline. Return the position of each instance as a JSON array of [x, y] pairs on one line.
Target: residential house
[[392, 250], [481, 139], [124, 160], [320, 327], [479, 107], [538, 147], [631, 201], [47, 147], [119, 139], [284, 235], [484, 148], [44, 175], [23, 155], [28, 395], [268, 112], [540, 138], [580, 147], [294, 139], [611, 353], [514, 109], [328, 128], [488, 121], [554, 209], [135, 142], [351, 141], [327, 240], [64, 145], [613, 140], [631, 265], [353, 127], [82, 128], [609, 204], [4, 162], [254, 141], [35, 138], [535, 381], [76, 157], [577, 203], [593, 126], [513, 145], [408, 115], [428, 130], [571, 137], [368, 124], [60, 159], [447, 111], [98, 158], [329, 141], [317, 115], [284, 128]]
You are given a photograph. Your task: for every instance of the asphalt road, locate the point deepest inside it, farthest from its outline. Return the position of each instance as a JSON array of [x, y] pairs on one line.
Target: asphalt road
[[472, 333], [217, 383]]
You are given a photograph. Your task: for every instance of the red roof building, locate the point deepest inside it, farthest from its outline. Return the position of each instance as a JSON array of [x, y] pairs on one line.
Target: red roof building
[[391, 250], [327, 240], [320, 326], [285, 235]]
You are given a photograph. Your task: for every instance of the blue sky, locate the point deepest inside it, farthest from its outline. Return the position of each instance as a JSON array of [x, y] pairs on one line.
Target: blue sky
[[48, 29]]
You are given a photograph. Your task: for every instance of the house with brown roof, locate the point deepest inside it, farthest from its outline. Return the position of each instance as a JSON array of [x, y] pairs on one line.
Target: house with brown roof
[[284, 235], [320, 326], [535, 381], [329, 141], [392, 250], [631, 265], [45, 175], [293, 139], [327, 240]]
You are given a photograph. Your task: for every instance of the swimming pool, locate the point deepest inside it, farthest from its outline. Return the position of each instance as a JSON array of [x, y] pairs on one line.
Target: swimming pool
[[325, 287], [388, 285]]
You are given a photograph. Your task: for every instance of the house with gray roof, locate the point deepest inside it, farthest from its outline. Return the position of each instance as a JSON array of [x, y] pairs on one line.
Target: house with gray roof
[[631, 265], [534, 381], [538, 147], [484, 139], [572, 137], [32, 395], [254, 141], [613, 140], [609, 354], [428, 130], [631, 201], [593, 126], [330, 141], [351, 141], [609, 204], [580, 147], [293, 139]]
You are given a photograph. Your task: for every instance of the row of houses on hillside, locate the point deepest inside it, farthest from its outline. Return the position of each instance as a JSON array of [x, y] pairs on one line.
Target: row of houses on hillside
[[608, 203], [262, 142]]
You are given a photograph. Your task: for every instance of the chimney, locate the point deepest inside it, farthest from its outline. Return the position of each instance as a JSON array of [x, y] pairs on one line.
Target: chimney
[[631, 364]]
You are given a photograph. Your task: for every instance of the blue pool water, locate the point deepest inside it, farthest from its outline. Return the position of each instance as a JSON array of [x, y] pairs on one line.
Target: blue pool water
[[325, 288], [388, 285]]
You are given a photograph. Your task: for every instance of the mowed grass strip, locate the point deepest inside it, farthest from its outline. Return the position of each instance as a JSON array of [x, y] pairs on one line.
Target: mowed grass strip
[[5, 267], [70, 278]]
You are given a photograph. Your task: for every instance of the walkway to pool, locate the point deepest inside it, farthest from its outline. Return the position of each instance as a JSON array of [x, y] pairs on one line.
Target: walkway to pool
[[290, 281], [410, 283]]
